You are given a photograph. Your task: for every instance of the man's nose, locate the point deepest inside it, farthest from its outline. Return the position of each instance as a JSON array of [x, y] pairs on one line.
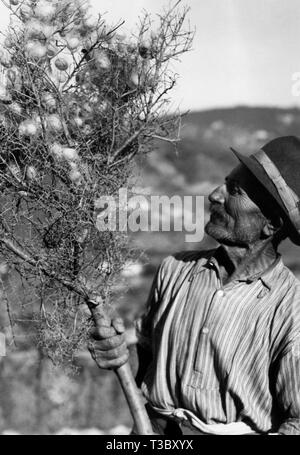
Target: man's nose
[[218, 195]]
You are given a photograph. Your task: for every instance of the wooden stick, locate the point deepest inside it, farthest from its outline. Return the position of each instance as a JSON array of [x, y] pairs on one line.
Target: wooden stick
[[131, 391]]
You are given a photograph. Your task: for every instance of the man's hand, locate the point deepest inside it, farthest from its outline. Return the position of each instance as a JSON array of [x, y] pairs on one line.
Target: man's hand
[[108, 347]]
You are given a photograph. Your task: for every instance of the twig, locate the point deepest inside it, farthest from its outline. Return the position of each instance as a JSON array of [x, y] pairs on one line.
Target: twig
[[125, 145], [161, 138], [39, 262]]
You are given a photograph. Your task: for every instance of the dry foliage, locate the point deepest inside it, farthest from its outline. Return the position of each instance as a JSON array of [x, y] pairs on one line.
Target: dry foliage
[[78, 102]]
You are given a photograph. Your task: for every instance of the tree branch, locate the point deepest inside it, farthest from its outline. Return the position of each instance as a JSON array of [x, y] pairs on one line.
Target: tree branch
[[39, 262], [125, 145]]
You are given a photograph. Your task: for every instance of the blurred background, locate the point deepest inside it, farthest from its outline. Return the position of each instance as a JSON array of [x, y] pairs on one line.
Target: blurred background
[[237, 88]]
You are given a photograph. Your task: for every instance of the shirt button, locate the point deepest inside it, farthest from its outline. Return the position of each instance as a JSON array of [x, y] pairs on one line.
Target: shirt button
[[220, 293], [205, 330]]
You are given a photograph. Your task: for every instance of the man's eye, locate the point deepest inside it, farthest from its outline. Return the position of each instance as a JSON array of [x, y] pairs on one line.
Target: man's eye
[[233, 189]]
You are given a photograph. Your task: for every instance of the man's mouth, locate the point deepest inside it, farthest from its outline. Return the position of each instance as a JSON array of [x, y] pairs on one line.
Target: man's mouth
[[215, 217], [216, 214]]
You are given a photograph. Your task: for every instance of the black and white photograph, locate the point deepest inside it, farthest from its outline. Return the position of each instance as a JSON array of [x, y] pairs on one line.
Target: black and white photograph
[[150, 220]]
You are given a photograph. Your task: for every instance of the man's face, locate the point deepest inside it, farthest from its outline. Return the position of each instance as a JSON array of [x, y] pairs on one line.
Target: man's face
[[235, 218]]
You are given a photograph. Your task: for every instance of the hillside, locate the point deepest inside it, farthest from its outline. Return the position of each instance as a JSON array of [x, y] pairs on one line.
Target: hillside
[[203, 160]]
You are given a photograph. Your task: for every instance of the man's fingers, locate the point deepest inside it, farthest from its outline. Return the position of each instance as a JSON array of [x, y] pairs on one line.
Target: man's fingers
[[110, 343], [103, 321], [112, 364], [107, 328], [102, 332], [118, 324], [112, 354]]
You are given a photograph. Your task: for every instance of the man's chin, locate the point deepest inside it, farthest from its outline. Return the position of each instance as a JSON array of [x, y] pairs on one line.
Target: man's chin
[[222, 236], [216, 232]]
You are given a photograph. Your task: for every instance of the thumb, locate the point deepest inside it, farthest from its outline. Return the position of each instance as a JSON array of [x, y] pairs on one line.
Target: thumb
[[118, 325]]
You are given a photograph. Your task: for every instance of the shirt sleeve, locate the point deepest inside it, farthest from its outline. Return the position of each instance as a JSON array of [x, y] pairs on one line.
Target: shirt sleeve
[[144, 325], [288, 389]]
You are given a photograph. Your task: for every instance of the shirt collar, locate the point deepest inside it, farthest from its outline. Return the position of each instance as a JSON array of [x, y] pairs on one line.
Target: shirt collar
[[267, 277]]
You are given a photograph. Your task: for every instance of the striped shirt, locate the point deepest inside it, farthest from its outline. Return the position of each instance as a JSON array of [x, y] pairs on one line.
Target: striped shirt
[[224, 353]]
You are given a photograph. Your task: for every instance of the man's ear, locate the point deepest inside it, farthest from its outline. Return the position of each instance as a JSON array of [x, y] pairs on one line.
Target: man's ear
[[271, 227]]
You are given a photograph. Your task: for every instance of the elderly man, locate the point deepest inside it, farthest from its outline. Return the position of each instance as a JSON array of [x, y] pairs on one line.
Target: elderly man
[[219, 345]]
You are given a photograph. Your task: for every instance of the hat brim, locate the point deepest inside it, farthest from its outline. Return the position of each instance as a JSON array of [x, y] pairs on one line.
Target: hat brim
[[258, 171]]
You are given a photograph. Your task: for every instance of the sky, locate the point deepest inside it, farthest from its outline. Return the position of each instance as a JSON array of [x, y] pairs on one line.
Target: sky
[[245, 52]]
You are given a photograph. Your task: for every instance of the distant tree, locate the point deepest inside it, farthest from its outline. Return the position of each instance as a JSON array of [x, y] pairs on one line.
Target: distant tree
[[78, 102]]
